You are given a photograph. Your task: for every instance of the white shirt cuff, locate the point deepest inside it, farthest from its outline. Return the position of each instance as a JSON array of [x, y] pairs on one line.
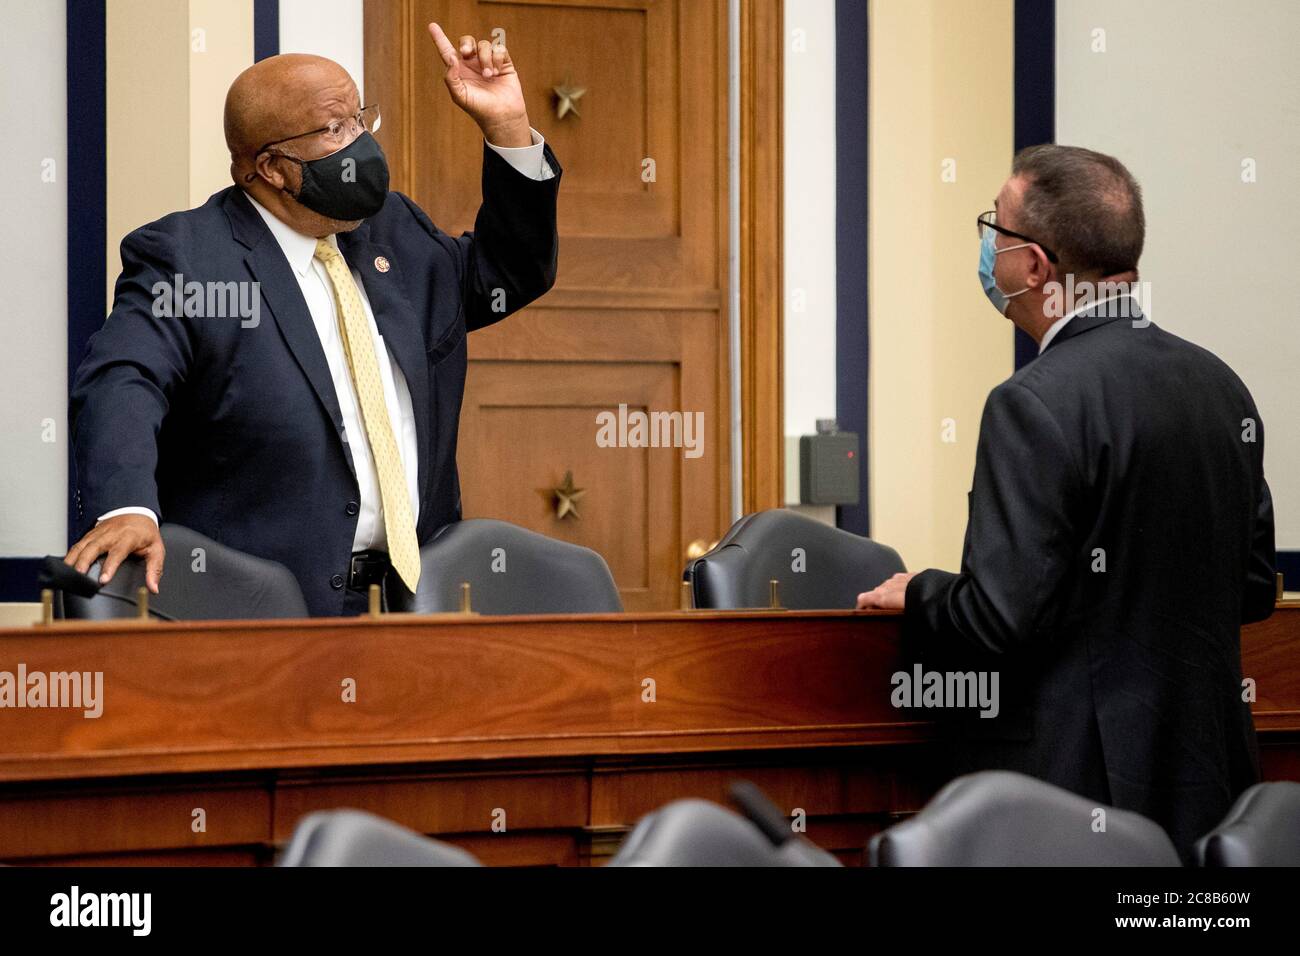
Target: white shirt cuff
[[127, 511], [527, 160]]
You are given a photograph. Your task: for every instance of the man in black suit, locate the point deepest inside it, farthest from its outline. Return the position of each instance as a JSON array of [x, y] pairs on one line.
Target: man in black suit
[[1120, 528], [317, 427]]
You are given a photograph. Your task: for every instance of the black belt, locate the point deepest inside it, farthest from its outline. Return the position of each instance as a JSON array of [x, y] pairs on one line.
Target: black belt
[[368, 567]]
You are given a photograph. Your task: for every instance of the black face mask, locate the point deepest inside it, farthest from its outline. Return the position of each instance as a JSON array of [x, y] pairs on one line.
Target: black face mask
[[349, 184]]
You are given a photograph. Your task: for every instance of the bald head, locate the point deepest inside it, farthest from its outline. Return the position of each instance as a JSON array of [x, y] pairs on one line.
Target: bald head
[[275, 99], [282, 96]]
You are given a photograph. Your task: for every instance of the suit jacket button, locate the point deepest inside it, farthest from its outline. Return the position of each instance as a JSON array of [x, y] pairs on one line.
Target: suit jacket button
[[353, 508], [336, 582]]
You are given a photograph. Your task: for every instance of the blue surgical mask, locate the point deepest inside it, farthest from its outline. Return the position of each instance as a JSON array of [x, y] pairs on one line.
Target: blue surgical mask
[[988, 255]]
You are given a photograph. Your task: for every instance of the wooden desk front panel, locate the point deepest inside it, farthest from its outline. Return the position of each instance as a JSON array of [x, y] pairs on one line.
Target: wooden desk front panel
[[537, 723]]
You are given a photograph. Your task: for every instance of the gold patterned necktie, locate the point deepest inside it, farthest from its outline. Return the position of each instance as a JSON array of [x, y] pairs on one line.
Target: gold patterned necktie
[[359, 350]]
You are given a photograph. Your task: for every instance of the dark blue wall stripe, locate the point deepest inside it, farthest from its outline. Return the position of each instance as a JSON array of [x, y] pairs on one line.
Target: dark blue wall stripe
[[1035, 97], [851, 340], [87, 196], [266, 28], [18, 579]]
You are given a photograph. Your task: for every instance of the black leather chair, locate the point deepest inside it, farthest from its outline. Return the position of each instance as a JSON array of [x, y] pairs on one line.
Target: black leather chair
[[1261, 829], [837, 565], [997, 818], [510, 570], [356, 838], [231, 584], [700, 833]]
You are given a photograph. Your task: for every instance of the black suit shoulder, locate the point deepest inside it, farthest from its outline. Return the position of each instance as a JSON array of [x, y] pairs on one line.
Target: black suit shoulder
[[1118, 347]]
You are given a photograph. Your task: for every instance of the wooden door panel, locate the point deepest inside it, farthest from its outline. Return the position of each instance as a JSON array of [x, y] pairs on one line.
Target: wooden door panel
[[647, 65], [531, 430], [607, 143], [632, 345]]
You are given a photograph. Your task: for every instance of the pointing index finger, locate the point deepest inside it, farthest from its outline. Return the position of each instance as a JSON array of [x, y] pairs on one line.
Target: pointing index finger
[[445, 49]]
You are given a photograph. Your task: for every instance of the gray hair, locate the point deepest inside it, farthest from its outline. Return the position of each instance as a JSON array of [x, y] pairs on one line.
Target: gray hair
[[1083, 205]]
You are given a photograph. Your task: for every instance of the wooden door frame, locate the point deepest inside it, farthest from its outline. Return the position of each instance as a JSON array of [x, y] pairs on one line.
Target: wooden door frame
[[761, 190], [762, 382]]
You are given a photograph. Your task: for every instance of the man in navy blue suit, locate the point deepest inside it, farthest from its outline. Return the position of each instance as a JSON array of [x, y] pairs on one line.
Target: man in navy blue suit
[[283, 367]]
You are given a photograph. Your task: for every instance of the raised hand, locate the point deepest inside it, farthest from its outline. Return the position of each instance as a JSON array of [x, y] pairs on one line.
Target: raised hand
[[482, 81]]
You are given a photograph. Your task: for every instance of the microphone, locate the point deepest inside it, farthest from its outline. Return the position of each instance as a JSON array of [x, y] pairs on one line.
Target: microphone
[[63, 577], [755, 805]]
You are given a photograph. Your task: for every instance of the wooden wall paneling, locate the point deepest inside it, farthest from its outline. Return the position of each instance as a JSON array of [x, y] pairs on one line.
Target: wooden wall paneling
[[643, 264], [157, 815], [390, 81], [445, 802]]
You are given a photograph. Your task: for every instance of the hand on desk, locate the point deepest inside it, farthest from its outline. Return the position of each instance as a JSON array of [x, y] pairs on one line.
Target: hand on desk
[[118, 538], [889, 595]]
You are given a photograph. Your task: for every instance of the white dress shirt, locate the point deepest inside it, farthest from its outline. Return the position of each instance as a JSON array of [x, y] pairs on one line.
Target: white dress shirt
[[318, 293]]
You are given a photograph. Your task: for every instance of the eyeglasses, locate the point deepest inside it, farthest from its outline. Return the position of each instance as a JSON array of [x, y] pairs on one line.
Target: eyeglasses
[[366, 120], [989, 220]]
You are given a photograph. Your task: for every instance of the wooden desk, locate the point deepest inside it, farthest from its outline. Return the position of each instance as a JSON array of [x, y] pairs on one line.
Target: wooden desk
[[543, 723]]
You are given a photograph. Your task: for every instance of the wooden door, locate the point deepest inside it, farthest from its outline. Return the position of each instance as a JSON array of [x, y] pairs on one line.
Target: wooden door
[[638, 315]]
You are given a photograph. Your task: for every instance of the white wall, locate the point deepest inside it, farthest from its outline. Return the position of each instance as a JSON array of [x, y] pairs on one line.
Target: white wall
[[809, 225], [1185, 91], [33, 273], [332, 28]]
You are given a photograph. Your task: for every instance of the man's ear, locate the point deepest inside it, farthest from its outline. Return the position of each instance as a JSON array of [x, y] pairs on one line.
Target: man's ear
[[272, 167], [1040, 270]]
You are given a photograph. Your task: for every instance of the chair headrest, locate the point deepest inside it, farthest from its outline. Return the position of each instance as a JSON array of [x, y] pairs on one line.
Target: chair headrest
[[203, 580], [818, 567], [998, 818], [511, 570], [356, 838], [700, 833], [1261, 829]]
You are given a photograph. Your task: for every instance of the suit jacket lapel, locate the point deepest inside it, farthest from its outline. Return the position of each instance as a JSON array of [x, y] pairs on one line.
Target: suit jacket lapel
[[282, 294]]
